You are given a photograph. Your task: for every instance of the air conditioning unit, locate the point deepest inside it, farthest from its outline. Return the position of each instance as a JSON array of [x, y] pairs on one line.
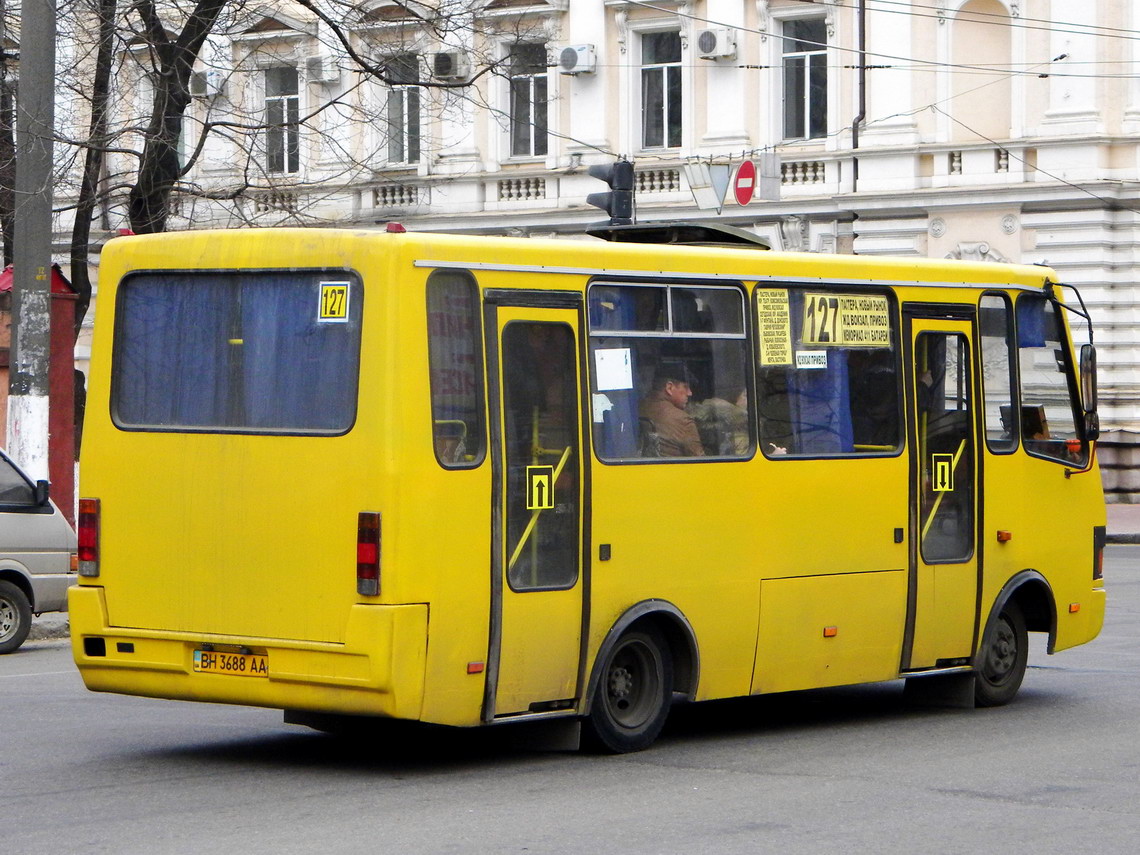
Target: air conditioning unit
[[207, 84], [578, 59], [321, 69], [716, 44], [451, 65]]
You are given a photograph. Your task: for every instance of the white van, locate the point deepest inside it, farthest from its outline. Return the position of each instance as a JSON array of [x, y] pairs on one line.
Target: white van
[[37, 552]]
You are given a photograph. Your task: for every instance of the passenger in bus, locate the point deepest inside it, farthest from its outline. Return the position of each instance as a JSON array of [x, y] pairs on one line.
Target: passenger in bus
[[722, 423], [664, 406]]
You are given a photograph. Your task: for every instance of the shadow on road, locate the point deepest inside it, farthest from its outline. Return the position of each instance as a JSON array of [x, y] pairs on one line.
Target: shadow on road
[[410, 748]]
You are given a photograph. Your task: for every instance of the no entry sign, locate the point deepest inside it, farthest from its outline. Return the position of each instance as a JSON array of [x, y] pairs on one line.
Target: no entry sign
[[745, 184]]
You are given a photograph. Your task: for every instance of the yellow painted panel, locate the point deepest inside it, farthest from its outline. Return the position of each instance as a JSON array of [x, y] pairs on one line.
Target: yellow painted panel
[[379, 671], [866, 612]]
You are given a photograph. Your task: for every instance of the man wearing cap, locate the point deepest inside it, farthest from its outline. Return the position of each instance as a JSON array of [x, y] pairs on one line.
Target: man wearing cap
[[665, 407]]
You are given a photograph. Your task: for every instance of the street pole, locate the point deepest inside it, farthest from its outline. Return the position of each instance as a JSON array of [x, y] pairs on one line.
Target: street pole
[[31, 286]]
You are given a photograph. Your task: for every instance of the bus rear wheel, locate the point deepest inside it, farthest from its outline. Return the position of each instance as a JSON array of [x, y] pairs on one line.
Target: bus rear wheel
[[1001, 665], [632, 697], [15, 617]]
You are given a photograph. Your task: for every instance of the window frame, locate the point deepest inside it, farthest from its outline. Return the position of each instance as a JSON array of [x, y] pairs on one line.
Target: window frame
[[897, 348], [331, 274], [410, 139], [1013, 374], [803, 133], [534, 80], [289, 128], [745, 336], [1071, 383], [642, 94], [477, 344]]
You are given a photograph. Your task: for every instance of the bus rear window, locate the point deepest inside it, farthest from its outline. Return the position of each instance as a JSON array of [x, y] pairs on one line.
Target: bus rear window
[[248, 352]]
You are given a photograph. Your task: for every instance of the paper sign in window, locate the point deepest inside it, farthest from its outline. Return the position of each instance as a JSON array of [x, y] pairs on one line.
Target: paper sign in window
[[846, 320], [614, 368], [775, 324]]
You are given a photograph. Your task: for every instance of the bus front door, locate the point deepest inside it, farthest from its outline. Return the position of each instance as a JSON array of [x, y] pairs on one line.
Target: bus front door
[[536, 614], [942, 610]]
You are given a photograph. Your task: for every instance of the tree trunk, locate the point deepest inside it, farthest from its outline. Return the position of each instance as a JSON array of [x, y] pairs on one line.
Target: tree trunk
[[93, 161], [159, 169]]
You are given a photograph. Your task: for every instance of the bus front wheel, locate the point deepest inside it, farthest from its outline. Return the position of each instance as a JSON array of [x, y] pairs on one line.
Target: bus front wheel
[[1001, 665], [633, 693]]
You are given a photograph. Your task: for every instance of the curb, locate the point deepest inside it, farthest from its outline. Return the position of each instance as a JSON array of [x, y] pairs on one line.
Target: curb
[[50, 629]]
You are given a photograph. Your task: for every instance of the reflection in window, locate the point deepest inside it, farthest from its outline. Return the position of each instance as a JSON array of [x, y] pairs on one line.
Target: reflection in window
[[996, 325], [1048, 403], [827, 380], [456, 364], [669, 369]]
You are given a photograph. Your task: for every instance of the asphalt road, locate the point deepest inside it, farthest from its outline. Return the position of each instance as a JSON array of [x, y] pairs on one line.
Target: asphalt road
[[834, 771]]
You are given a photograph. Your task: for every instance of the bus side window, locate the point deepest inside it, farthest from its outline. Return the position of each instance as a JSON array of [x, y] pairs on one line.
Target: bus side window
[[639, 334], [996, 328], [455, 357], [1049, 406], [827, 373]]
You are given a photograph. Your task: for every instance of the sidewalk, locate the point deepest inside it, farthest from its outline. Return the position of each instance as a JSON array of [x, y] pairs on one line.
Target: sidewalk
[[1124, 523]]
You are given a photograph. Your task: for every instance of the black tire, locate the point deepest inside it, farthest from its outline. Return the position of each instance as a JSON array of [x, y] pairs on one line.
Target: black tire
[[15, 617], [1001, 661], [634, 689]]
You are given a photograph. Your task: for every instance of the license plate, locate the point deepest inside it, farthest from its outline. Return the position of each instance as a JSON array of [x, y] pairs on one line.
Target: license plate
[[236, 664]]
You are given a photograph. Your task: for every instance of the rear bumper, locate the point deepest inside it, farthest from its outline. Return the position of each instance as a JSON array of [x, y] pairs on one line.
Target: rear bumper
[[378, 670]]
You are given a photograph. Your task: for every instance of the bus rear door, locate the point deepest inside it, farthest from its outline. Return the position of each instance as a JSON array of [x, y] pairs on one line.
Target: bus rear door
[[537, 582], [942, 603]]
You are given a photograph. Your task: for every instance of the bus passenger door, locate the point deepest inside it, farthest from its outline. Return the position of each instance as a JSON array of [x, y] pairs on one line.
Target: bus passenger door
[[942, 609], [536, 613]]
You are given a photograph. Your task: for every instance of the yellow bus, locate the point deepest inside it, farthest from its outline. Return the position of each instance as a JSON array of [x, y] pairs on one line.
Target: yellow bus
[[475, 480]]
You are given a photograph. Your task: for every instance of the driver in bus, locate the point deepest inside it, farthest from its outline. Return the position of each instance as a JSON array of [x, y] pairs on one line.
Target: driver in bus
[[665, 406]]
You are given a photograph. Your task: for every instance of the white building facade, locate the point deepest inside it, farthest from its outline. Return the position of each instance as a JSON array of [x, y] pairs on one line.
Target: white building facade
[[983, 129]]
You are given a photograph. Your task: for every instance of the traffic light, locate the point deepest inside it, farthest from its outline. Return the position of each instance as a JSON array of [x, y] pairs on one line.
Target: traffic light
[[618, 201]]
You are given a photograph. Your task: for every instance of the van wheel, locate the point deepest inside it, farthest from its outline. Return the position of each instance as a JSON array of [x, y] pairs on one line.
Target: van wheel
[[632, 698], [1001, 664], [15, 617]]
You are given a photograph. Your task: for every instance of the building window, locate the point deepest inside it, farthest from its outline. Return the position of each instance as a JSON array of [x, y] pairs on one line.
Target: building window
[[282, 118], [661, 90], [403, 114], [805, 78], [528, 81]]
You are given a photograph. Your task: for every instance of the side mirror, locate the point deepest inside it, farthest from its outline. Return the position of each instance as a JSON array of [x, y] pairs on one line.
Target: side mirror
[[1088, 378], [41, 492], [1088, 391]]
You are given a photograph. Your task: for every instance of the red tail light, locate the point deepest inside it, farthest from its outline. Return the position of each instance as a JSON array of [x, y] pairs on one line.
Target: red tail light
[[88, 531], [368, 554]]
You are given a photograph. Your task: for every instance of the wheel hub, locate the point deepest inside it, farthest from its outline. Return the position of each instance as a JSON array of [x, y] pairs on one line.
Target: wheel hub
[[621, 685], [7, 618]]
